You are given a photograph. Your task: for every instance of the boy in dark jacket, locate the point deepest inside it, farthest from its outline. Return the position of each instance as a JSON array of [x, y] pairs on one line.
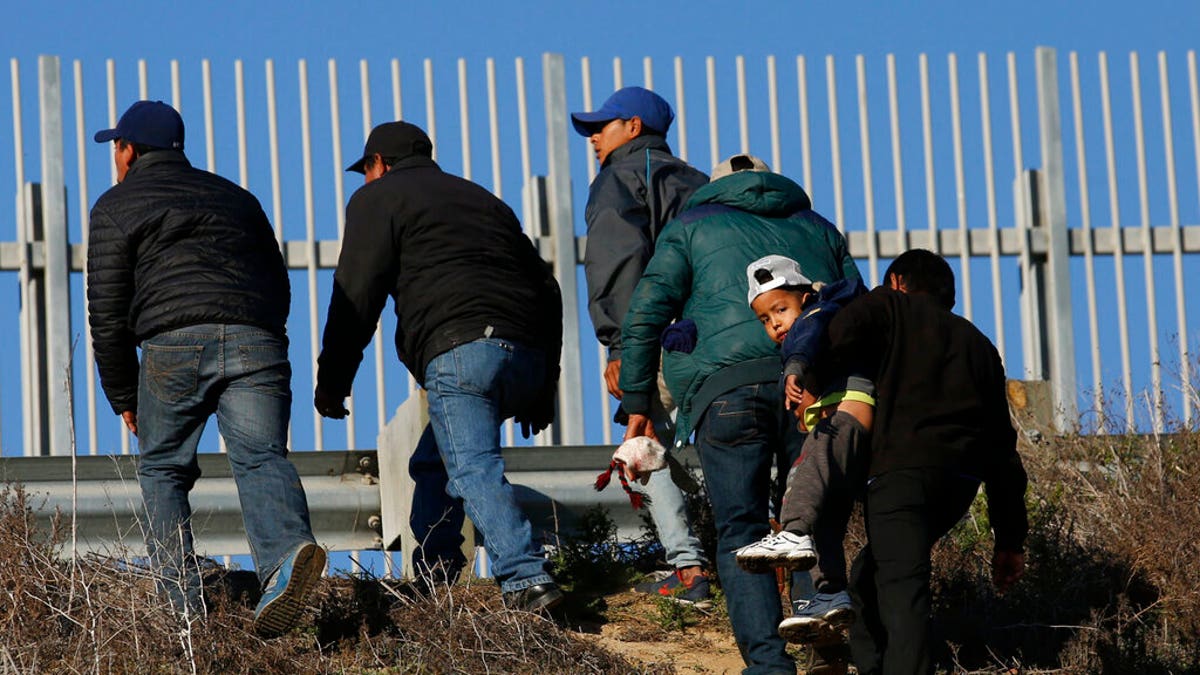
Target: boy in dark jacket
[[941, 428], [837, 410]]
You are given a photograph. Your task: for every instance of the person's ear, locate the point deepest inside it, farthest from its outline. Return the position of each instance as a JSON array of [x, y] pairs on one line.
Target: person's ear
[[894, 282], [634, 126]]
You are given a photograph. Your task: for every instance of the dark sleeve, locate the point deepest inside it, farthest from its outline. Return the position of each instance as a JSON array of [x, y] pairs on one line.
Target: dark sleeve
[[1005, 479], [618, 249], [366, 273], [659, 298], [110, 291], [860, 331]]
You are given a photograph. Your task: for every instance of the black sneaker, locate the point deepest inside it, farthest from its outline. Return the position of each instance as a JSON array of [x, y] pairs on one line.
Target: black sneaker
[[537, 598]]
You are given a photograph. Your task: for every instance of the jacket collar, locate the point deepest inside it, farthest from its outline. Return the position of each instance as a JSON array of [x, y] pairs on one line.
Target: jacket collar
[[157, 158], [412, 162], [637, 145]]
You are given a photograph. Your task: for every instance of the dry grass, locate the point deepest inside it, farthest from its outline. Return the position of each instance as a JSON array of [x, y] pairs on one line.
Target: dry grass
[[101, 615], [1113, 586]]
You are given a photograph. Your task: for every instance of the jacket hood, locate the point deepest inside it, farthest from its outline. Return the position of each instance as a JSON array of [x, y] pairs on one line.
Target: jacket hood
[[766, 194]]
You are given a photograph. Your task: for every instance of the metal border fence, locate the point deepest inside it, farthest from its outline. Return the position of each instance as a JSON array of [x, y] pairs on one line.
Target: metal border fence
[[1038, 271]]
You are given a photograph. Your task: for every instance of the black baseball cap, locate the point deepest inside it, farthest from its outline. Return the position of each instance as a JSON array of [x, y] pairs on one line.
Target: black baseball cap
[[396, 140], [151, 123]]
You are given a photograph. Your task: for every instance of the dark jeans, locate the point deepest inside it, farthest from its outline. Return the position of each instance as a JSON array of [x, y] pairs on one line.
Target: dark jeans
[[241, 374], [906, 512], [738, 439]]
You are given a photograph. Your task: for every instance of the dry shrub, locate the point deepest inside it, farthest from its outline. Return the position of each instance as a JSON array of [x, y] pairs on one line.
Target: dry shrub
[[101, 615], [1112, 584]]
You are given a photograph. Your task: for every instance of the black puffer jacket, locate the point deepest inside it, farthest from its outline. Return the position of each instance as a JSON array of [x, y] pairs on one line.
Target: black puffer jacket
[[173, 246], [455, 262]]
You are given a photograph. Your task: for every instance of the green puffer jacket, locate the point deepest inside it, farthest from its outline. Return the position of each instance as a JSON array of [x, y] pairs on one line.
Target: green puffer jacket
[[698, 272]]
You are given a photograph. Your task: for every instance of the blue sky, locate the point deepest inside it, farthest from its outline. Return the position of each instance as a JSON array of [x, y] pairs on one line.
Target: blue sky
[[315, 29]]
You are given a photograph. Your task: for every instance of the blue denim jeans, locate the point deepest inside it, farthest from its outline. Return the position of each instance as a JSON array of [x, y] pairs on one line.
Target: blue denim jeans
[[242, 374], [739, 439], [436, 518], [667, 506], [472, 389]]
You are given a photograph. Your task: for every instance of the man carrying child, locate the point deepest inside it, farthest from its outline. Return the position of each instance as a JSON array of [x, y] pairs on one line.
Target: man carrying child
[[727, 387], [941, 428]]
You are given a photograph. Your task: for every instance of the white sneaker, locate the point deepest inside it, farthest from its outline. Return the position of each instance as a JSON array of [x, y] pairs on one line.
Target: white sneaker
[[784, 549]]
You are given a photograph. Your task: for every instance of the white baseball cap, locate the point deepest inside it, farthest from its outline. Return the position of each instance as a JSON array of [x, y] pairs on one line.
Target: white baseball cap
[[771, 272]]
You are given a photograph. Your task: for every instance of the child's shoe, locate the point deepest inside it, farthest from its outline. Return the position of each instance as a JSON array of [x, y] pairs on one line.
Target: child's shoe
[[783, 549]]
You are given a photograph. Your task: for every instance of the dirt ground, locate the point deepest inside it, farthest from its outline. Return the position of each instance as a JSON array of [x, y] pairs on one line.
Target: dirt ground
[[644, 631]]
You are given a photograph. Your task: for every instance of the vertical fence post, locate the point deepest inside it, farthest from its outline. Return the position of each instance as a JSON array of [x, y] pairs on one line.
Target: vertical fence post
[[1032, 265], [562, 237], [1052, 216], [56, 355]]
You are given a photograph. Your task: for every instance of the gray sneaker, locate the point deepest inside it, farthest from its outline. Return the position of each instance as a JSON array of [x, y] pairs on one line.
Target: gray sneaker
[[818, 619]]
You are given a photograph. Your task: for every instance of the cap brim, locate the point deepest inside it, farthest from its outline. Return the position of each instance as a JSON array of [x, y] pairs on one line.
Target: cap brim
[[358, 167], [585, 122], [106, 135]]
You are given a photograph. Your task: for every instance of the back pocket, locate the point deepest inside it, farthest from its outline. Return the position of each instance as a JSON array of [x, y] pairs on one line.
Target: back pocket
[[172, 373]]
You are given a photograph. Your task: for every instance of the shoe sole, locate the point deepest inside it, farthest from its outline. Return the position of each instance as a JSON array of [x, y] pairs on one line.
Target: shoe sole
[[546, 603], [698, 604], [840, 618], [760, 563], [816, 631], [282, 613]]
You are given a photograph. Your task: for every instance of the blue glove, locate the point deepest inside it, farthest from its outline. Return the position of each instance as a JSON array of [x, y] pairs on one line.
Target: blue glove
[[680, 337]]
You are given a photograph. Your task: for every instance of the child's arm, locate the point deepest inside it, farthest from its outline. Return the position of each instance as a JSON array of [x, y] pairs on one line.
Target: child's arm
[[806, 341]]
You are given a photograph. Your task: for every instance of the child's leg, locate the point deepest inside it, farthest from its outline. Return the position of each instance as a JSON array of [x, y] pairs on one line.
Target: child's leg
[[821, 488]]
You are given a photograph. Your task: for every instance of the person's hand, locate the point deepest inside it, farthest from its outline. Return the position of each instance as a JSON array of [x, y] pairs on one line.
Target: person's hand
[[792, 392], [612, 377], [640, 425], [329, 405], [1007, 568], [129, 417], [541, 413]]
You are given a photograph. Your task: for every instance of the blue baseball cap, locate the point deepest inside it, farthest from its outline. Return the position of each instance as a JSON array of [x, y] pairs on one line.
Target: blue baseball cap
[[151, 123], [627, 103]]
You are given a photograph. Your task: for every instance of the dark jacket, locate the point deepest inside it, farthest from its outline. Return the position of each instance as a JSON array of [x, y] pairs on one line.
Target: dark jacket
[[174, 246], [455, 262], [806, 345], [623, 220], [698, 272], [940, 398]]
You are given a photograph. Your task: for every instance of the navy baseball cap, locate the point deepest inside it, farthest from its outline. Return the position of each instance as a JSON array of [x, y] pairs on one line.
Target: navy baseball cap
[[151, 123], [626, 103]]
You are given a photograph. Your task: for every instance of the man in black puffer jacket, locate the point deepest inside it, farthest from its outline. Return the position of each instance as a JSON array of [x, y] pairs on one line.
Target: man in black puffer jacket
[[185, 264]]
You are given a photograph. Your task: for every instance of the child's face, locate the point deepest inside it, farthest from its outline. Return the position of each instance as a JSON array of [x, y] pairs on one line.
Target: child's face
[[777, 309]]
